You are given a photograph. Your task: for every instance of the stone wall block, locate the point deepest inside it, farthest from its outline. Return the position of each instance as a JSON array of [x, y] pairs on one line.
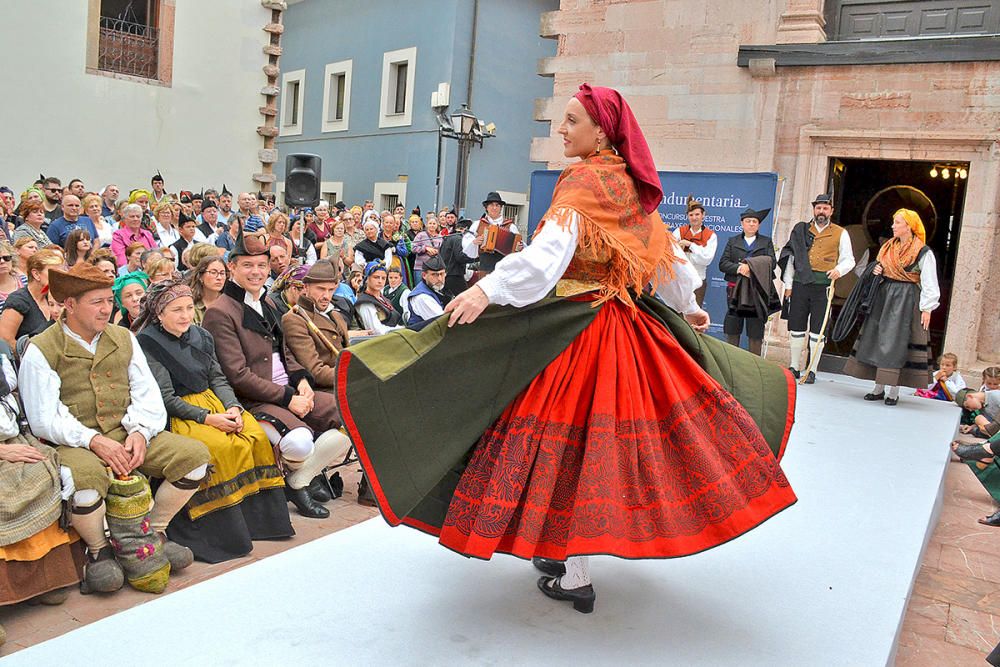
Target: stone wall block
[[264, 178], [267, 131], [268, 155], [272, 49], [279, 5], [270, 90]]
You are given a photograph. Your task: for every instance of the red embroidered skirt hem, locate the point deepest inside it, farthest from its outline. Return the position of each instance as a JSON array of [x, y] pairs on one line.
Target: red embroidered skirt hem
[[623, 445]]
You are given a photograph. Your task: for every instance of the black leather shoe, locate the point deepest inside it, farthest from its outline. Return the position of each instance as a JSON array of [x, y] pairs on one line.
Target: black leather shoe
[[319, 489], [365, 495], [810, 378], [891, 401], [304, 503], [991, 520], [553, 568], [336, 484], [872, 396], [795, 373], [582, 598]]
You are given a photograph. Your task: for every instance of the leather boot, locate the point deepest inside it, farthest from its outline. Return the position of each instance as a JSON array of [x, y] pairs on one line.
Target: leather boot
[[365, 495], [319, 489], [102, 573], [304, 503]]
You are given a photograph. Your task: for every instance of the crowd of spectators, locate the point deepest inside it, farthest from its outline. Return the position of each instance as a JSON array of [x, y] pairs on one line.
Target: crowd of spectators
[[211, 372]]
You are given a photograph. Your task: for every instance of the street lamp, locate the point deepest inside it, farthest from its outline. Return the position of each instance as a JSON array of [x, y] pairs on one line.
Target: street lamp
[[464, 127]]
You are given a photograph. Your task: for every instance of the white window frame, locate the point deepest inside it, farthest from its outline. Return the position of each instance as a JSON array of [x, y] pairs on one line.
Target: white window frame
[[388, 188], [331, 187], [520, 200], [343, 68], [388, 118], [296, 76]]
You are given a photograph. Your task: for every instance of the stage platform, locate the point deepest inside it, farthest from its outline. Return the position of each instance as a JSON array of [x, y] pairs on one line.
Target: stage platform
[[824, 583]]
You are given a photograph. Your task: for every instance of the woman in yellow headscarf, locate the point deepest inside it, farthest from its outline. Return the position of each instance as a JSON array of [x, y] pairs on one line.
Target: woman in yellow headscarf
[[892, 348]]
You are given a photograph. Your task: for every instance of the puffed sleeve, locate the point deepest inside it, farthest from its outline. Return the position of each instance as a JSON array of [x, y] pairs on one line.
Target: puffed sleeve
[[528, 276], [930, 291]]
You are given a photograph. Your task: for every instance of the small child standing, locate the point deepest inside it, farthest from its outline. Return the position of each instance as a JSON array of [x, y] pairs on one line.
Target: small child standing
[[947, 380]]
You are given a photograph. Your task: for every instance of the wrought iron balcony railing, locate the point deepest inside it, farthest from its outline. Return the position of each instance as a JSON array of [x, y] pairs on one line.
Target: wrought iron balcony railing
[[128, 48]]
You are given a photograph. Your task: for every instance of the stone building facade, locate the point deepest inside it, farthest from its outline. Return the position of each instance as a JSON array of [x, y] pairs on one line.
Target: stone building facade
[[759, 86]]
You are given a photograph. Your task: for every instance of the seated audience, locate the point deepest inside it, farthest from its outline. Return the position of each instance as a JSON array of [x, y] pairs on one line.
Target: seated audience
[[130, 232], [270, 383], [428, 299], [10, 278], [77, 247], [947, 380], [134, 254], [397, 292], [93, 207], [87, 390], [286, 289], [34, 218], [38, 558], [375, 312], [24, 248], [314, 332], [128, 291], [26, 311], [206, 283], [105, 261], [242, 498], [159, 269]]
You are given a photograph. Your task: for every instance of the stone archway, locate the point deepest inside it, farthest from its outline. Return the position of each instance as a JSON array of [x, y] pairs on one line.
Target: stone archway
[[973, 335]]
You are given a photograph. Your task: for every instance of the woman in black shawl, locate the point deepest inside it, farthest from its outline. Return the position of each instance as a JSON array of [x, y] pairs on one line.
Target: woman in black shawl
[[242, 499]]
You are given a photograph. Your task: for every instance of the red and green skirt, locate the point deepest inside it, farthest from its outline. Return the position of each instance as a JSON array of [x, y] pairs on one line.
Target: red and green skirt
[[621, 442]]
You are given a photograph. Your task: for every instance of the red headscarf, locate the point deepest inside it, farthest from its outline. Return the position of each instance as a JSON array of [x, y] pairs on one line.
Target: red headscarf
[[608, 108]]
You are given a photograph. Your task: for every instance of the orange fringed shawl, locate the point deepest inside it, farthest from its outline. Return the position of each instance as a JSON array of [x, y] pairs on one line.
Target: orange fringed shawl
[[620, 246]]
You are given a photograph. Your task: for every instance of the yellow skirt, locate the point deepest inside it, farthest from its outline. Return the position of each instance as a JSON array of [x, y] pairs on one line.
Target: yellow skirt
[[242, 464]]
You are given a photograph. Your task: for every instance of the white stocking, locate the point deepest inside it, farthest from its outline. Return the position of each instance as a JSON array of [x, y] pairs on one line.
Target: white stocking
[[797, 346], [577, 573], [893, 392]]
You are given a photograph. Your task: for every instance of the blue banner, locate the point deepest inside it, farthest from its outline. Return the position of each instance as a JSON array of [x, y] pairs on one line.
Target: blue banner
[[724, 197]]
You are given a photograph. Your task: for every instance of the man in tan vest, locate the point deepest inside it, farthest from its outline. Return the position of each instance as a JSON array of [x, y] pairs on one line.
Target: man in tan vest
[[88, 391], [817, 253]]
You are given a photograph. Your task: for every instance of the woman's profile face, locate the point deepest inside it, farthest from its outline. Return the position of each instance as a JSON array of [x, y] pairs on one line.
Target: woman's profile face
[[580, 134], [899, 227]]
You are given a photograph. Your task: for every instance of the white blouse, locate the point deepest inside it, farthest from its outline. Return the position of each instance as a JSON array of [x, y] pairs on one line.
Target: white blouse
[[52, 420], [528, 276], [930, 291]]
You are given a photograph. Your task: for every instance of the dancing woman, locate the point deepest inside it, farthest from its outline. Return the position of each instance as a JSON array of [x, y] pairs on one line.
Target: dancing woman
[[610, 430]]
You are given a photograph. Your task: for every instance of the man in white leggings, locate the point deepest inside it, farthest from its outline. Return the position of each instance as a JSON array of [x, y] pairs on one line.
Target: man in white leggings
[[269, 382]]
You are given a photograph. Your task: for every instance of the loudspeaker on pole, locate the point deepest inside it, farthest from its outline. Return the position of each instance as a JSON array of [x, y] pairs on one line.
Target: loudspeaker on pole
[[302, 179]]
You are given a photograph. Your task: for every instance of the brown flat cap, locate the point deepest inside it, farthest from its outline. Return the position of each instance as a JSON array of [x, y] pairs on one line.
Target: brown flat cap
[[321, 272], [81, 278]]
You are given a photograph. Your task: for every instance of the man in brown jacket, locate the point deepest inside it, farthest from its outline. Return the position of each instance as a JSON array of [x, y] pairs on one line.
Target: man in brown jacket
[[271, 383], [314, 333]]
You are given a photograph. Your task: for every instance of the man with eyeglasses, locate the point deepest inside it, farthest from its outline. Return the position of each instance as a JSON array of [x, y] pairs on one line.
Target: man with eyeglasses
[[60, 228], [52, 189]]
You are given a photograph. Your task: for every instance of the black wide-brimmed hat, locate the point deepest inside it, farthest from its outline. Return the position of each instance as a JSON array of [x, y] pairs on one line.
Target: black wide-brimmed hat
[[823, 199], [759, 215], [494, 198]]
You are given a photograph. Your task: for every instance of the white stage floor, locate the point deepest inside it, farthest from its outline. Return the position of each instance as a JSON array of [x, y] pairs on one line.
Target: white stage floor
[[823, 583]]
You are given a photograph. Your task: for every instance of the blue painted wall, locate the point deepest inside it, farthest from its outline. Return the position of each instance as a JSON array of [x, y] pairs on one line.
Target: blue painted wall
[[504, 87]]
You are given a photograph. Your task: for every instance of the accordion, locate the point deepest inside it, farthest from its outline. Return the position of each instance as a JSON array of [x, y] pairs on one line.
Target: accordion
[[497, 239]]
